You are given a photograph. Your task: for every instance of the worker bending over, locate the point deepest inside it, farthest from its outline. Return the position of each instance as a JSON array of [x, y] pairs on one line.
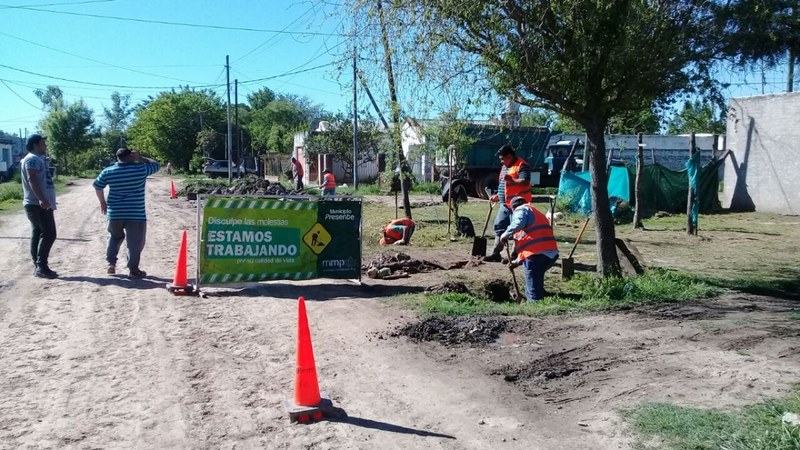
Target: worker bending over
[[398, 232], [328, 185], [535, 245], [514, 181]]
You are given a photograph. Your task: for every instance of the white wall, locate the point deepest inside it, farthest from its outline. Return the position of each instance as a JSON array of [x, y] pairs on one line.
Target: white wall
[[764, 138]]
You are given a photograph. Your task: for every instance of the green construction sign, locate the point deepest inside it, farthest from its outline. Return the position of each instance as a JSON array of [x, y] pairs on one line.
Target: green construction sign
[[258, 239]]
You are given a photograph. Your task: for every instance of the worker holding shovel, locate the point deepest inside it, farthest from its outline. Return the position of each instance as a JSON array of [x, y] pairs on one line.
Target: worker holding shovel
[[514, 181], [535, 245]]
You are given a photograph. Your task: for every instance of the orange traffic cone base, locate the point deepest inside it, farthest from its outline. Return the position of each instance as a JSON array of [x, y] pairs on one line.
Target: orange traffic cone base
[[308, 414], [183, 290]]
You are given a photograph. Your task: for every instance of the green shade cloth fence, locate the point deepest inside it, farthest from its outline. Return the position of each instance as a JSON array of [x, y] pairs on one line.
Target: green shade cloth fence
[[662, 189]]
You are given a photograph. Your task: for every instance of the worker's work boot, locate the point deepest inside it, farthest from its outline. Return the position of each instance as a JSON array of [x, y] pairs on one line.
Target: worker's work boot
[[495, 256]]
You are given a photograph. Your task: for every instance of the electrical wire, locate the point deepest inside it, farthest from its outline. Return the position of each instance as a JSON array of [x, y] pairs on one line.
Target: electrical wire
[[19, 96], [84, 2], [170, 23], [95, 60]]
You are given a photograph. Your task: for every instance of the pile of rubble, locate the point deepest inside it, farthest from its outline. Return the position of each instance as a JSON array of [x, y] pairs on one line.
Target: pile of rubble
[[241, 186], [401, 265]]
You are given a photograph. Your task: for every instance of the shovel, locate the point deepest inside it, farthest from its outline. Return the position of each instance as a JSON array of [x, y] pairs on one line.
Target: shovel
[[479, 244], [568, 264], [517, 296]]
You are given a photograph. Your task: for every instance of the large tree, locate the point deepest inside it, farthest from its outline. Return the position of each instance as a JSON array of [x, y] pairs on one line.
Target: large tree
[[167, 126], [762, 31], [70, 131], [338, 141], [586, 59]]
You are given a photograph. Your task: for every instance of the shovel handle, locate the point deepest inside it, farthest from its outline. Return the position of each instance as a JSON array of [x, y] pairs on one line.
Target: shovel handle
[[513, 276], [580, 235], [488, 214]]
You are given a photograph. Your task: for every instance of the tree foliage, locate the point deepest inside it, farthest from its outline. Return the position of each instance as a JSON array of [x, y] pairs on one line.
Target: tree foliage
[[696, 116], [118, 115], [338, 141], [760, 30], [70, 130], [167, 125], [52, 97], [586, 59]]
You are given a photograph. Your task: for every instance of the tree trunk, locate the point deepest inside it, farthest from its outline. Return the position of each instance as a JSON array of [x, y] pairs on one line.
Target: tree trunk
[[607, 261], [404, 180]]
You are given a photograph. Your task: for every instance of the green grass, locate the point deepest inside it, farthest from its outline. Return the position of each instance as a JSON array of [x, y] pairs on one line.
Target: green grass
[[753, 427], [582, 293], [786, 286], [11, 193]]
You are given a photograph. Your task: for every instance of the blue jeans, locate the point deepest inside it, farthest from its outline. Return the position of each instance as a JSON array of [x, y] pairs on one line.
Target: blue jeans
[[534, 268], [329, 192], [502, 220]]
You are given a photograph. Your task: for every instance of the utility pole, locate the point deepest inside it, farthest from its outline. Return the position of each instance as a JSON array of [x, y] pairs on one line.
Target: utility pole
[[236, 110], [355, 117], [229, 138]]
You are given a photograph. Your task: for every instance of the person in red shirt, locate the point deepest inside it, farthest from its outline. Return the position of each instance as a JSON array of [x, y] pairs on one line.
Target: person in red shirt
[[297, 174]]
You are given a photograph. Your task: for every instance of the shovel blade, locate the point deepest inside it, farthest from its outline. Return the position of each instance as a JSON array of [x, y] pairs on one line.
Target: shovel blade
[[479, 246]]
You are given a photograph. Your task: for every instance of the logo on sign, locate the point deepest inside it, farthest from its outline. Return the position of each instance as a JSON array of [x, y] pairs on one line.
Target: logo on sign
[[317, 238]]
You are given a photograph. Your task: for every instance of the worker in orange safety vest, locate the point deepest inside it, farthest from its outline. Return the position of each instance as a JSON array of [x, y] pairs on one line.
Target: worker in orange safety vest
[[328, 185], [398, 232], [514, 181], [535, 246]]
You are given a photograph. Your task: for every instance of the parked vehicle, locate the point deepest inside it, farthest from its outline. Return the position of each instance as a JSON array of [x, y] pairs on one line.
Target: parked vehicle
[[219, 169]]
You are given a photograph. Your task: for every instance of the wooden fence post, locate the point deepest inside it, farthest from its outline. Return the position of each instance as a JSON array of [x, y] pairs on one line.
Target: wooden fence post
[[690, 226], [637, 212]]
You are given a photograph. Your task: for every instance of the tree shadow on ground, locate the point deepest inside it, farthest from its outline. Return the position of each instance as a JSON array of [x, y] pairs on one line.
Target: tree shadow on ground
[[317, 291], [120, 281]]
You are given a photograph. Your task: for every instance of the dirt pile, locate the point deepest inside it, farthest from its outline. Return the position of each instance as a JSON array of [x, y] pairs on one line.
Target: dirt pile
[[240, 186], [402, 262], [455, 330], [448, 287]]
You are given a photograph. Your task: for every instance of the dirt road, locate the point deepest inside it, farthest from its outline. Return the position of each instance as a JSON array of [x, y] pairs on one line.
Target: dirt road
[[95, 361]]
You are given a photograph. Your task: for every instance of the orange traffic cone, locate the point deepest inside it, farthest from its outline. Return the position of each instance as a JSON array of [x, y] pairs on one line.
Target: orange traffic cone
[[306, 386], [309, 404], [172, 192], [180, 283]]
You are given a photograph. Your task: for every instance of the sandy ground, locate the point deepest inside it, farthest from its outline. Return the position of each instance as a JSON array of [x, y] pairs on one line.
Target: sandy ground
[[95, 361]]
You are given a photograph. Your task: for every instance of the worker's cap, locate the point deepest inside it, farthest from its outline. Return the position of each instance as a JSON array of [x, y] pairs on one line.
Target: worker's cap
[[506, 150], [123, 153], [326, 170], [33, 140], [383, 241], [293, 159], [518, 201]]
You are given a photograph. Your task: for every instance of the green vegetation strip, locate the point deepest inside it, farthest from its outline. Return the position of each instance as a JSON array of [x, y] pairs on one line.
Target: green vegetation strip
[[754, 427], [582, 293]]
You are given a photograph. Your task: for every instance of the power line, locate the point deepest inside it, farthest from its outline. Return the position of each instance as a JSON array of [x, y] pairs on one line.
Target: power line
[[19, 96], [94, 60], [275, 35], [170, 23], [57, 4]]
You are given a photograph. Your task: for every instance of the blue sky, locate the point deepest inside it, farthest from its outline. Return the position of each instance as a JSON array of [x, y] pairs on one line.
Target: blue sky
[[148, 56], [169, 55]]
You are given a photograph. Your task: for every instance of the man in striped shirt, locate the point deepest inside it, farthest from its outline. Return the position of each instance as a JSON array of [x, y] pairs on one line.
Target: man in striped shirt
[[125, 206]]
